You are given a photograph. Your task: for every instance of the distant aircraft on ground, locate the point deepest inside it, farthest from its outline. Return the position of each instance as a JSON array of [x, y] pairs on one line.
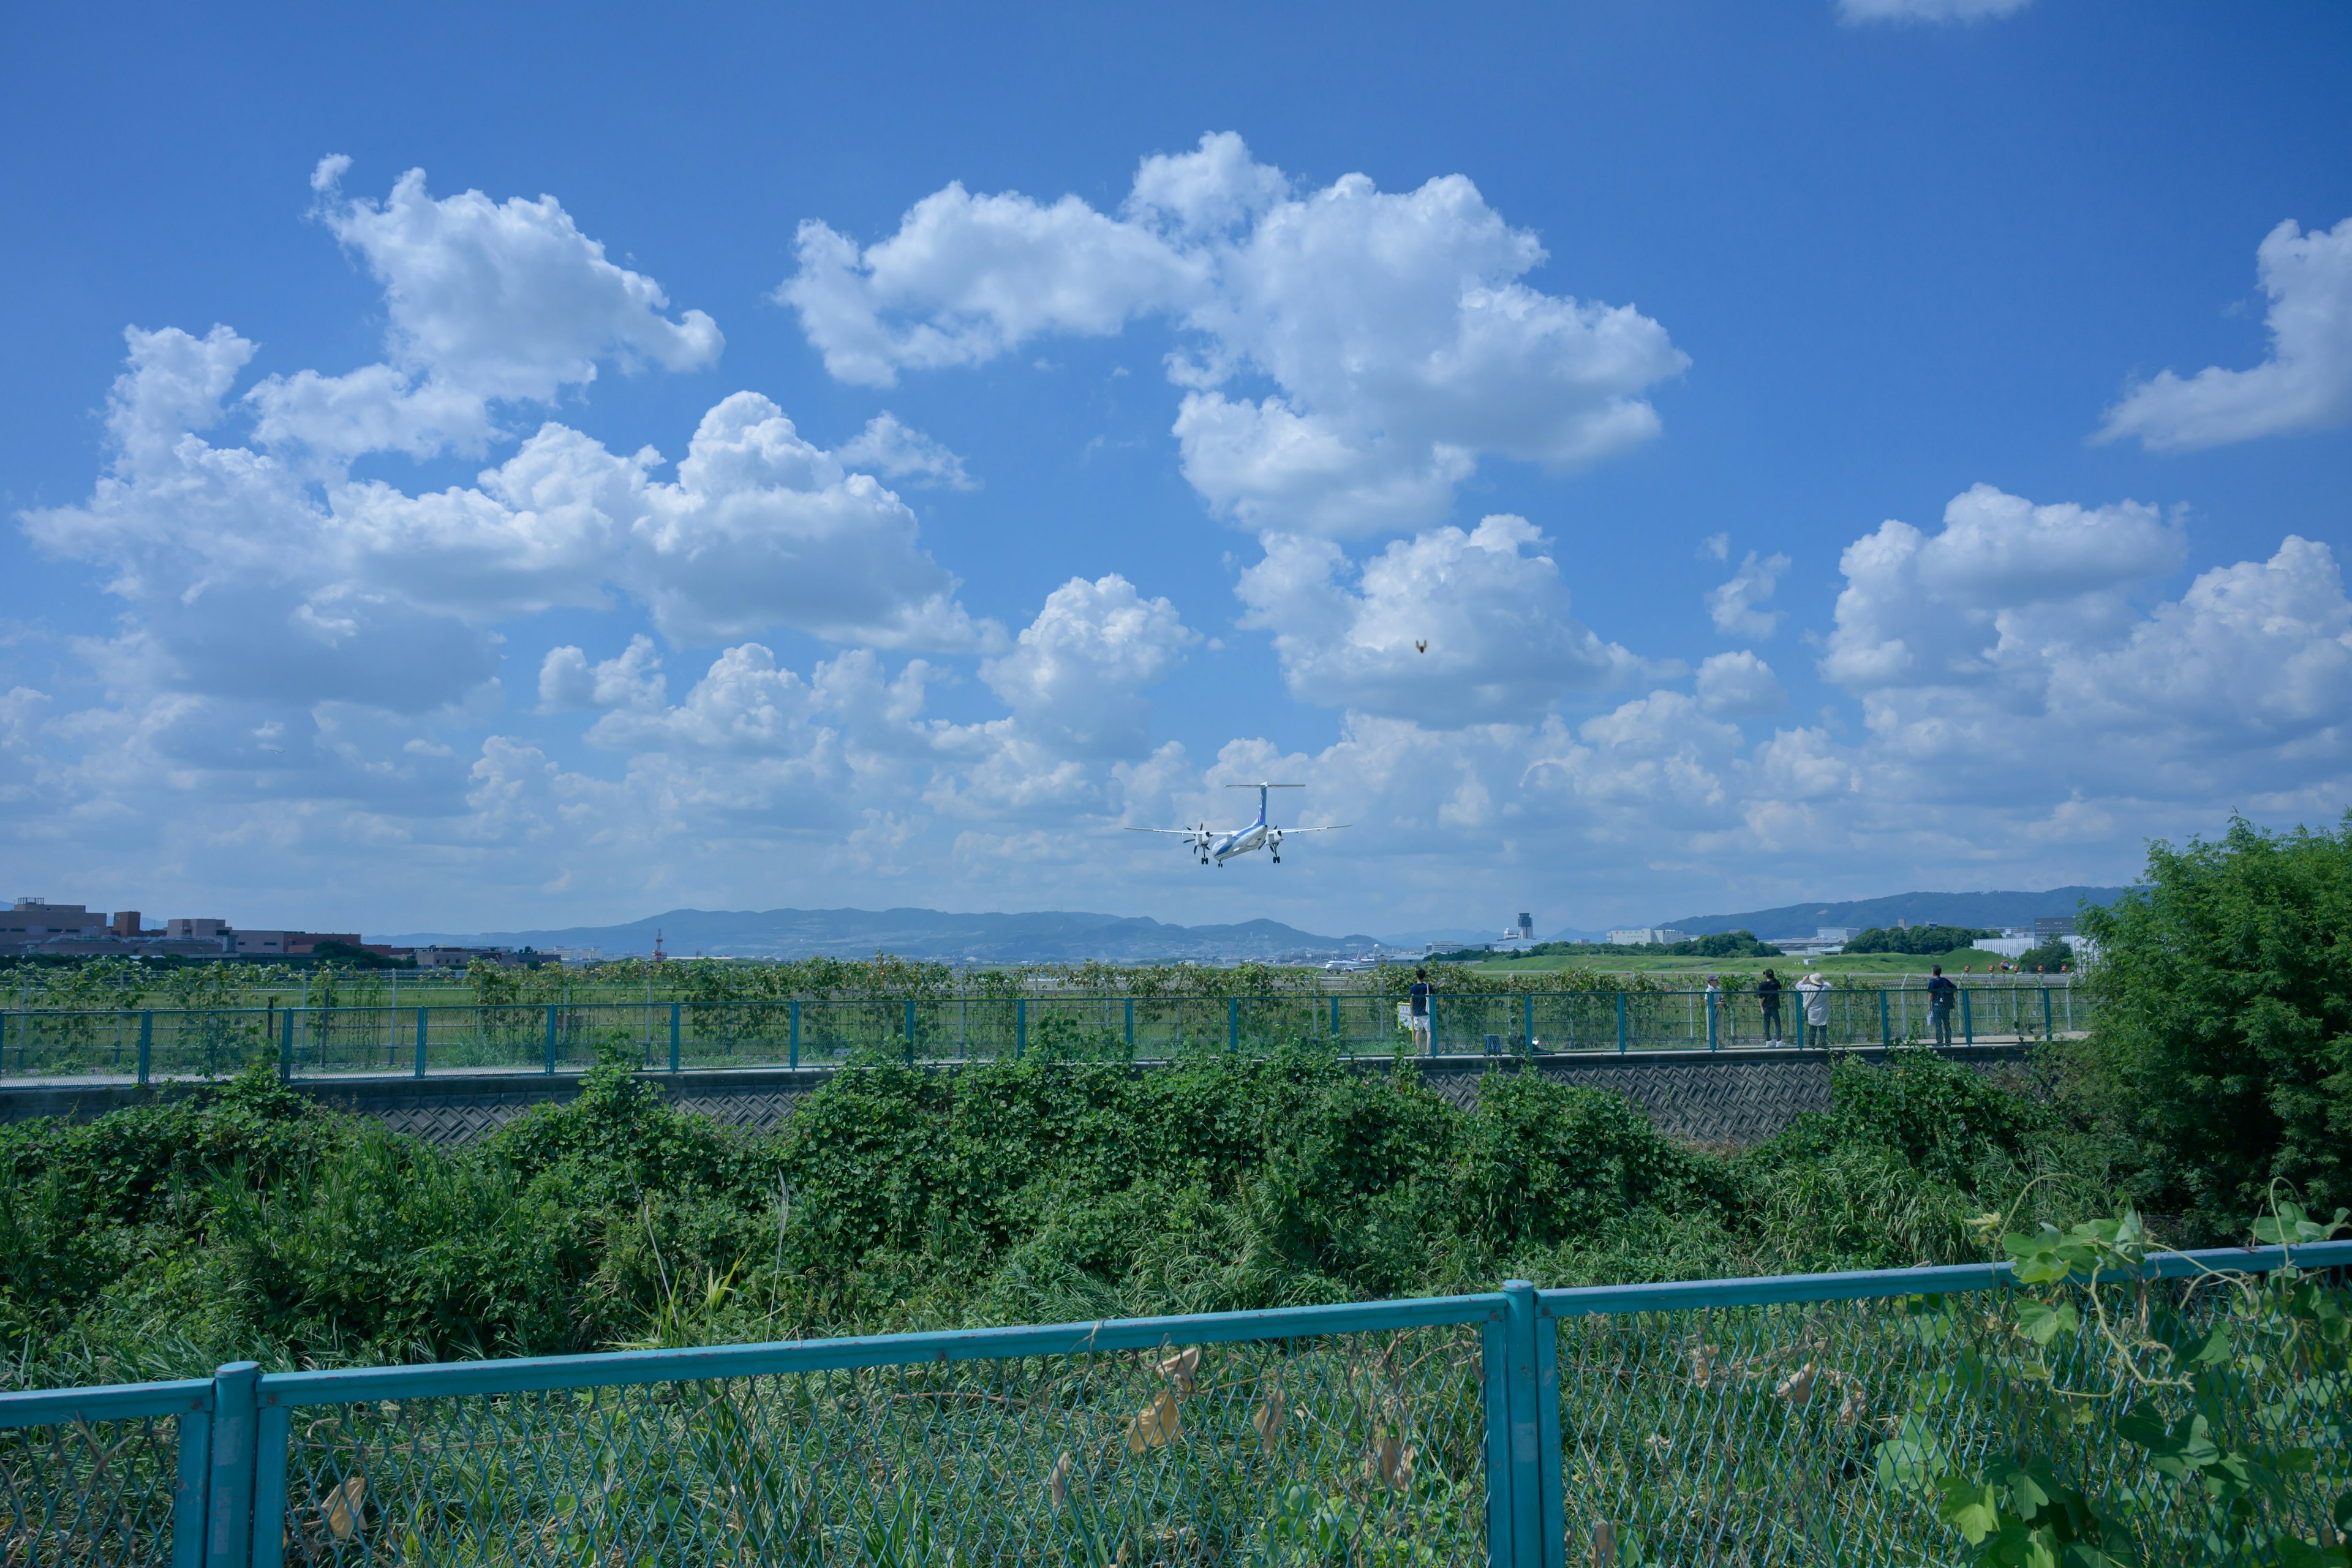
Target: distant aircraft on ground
[[1212, 844]]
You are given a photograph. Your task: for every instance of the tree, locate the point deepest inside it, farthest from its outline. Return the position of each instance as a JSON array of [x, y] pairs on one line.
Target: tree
[[2223, 1053], [1918, 939]]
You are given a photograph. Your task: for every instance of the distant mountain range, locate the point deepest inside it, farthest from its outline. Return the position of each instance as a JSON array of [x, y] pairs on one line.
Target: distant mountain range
[[1996, 910], [1049, 937]]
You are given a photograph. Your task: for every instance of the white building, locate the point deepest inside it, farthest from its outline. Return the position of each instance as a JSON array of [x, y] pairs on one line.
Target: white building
[[1646, 936]]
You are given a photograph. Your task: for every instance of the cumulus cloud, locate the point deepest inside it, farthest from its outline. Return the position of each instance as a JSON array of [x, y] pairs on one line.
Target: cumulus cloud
[[2304, 384], [631, 679], [1740, 686], [2003, 581], [1862, 10], [889, 449], [1734, 605], [1396, 326], [2019, 650], [1447, 628], [485, 302], [1075, 674]]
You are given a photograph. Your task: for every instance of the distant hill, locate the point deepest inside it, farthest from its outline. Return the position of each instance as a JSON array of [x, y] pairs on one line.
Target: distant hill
[[1995, 910], [1048, 937]]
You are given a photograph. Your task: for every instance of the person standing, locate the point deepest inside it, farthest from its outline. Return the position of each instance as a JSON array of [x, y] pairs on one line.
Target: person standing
[[1767, 997], [1419, 1013], [1942, 992], [1813, 996], [1718, 1022]]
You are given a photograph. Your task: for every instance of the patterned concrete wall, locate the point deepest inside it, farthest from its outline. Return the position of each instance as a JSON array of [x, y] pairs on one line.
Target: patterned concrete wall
[[1733, 1098]]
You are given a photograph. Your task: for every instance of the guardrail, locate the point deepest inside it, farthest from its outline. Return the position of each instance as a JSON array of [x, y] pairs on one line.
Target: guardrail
[[325, 1042], [1769, 1421]]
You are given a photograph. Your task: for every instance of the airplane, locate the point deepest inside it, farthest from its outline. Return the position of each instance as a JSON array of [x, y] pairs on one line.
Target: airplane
[[1214, 844]]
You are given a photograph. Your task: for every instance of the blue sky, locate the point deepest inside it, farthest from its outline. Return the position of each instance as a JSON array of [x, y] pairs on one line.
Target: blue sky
[[1061, 415]]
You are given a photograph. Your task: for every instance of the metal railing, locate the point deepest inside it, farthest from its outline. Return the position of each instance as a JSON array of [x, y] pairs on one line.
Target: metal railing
[[1769, 1421], [328, 1042]]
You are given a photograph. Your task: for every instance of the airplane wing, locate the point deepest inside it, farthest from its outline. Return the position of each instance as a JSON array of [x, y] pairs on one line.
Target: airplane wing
[[1329, 827], [1185, 832]]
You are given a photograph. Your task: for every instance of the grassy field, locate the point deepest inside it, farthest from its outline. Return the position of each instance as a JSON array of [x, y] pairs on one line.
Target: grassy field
[[1967, 959]]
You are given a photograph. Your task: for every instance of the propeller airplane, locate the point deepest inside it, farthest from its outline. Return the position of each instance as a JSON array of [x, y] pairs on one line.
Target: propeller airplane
[[1219, 846]]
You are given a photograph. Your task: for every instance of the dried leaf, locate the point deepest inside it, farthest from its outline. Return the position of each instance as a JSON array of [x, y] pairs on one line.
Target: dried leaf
[[1178, 1370], [1660, 1444], [1390, 1462], [1797, 1386], [1269, 1416], [1604, 1544], [1057, 1485], [341, 1508], [1701, 1359], [1155, 1424]]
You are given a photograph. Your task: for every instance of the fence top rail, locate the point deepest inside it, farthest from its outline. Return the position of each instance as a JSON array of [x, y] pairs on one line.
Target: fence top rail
[[1781, 1289], [114, 1402], [543, 1374], [1858, 985]]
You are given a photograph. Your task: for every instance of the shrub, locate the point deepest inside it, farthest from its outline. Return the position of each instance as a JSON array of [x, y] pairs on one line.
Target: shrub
[[2222, 1057]]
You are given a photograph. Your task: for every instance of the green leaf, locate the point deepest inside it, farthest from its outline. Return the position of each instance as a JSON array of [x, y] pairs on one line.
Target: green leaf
[[1969, 1507], [2043, 1322]]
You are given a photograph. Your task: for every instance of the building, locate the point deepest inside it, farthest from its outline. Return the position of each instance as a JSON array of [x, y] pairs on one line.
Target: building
[[287, 943], [1645, 936], [32, 921], [2047, 926], [1526, 926]]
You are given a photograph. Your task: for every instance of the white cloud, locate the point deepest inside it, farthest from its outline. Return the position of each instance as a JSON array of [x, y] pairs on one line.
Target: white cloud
[[1447, 628], [1403, 343], [2003, 581], [2304, 384], [632, 679], [892, 451], [1740, 686], [1733, 606], [2011, 657], [485, 302], [1862, 11], [1076, 674]]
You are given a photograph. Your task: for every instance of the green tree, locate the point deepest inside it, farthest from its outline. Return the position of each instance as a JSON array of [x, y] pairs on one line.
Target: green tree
[[2222, 1059]]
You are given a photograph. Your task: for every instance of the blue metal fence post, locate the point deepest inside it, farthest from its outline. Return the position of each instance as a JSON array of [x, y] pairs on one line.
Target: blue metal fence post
[[146, 1045], [1433, 1023], [1020, 1026], [228, 1503], [1527, 1022], [550, 1037], [285, 1059], [2048, 1030], [1886, 1027], [1967, 1026], [420, 1042], [193, 1476], [271, 1432], [1620, 1023], [796, 1010], [910, 1031], [1713, 1006], [1494, 1384], [1234, 1023], [1334, 1017], [1521, 1386], [674, 1008], [1130, 1025]]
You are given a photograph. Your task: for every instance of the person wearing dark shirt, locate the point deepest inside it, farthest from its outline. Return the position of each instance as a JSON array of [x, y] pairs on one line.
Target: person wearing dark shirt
[[1420, 1014], [1767, 997], [1942, 994]]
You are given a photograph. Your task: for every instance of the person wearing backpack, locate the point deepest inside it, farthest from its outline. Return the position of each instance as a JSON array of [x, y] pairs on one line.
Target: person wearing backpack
[[1943, 994], [1767, 997]]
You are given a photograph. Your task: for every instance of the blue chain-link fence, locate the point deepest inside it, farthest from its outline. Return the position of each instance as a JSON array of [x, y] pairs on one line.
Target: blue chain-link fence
[[1751, 1421], [329, 1042]]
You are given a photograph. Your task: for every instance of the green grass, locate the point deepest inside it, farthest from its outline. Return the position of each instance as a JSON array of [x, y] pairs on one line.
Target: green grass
[[1698, 969]]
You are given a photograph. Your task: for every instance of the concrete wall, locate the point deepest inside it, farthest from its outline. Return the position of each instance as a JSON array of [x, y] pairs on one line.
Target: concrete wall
[[1731, 1098]]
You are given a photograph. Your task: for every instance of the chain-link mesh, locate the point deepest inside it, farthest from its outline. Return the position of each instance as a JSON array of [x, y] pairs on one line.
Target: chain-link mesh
[[1365, 1448], [1815, 1432], [87, 1491]]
